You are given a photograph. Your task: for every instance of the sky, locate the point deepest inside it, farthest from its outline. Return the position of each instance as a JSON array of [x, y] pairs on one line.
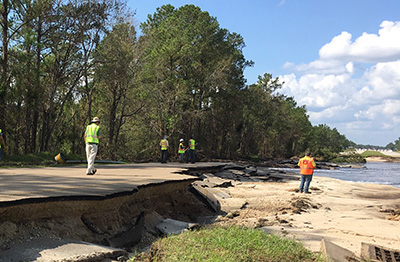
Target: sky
[[339, 58]]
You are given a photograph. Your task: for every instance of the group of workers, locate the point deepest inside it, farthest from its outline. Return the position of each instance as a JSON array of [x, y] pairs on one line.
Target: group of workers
[[92, 136], [182, 150]]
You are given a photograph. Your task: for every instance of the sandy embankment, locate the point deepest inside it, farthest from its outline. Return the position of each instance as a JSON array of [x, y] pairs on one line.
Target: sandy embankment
[[345, 213], [388, 157]]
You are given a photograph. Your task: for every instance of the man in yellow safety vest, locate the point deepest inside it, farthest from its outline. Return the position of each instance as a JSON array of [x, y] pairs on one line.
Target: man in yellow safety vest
[[190, 151], [92, 136], [307, 166], [181, 150], [164, 149]]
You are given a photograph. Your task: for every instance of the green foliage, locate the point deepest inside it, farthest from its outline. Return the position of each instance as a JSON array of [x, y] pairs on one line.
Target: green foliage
[[326, 142], [397, 145], [72, 60], [273, 125], [373, 154], [37, 159], [192, 73], [227, 244], [391, 146]]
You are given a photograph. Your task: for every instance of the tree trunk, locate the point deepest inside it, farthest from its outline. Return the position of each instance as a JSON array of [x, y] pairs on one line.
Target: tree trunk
[[4, 63]]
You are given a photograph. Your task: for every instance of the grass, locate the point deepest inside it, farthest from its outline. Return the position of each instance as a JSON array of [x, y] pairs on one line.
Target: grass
[[31, 160], [373, 154], [228, 244]]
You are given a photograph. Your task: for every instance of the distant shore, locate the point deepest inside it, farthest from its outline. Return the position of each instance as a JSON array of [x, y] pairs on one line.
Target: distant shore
[[385, 159]]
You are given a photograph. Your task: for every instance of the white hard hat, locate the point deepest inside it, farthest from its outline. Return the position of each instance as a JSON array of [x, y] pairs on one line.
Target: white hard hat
[[181, 140], [96, 119]]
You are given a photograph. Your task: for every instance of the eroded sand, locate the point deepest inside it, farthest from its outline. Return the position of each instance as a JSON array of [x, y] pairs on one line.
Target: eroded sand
[[345, 213]]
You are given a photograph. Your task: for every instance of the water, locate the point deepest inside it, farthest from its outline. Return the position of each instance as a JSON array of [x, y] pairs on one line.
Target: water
[[375, 173]]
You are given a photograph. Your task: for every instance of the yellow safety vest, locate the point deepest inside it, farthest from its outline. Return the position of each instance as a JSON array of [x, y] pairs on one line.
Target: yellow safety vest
[[91, 134], [164, 144], [181, 148], [192, 144]]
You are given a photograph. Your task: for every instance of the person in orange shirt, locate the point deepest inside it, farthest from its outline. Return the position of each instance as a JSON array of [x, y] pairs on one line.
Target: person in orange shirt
[[307, 166]]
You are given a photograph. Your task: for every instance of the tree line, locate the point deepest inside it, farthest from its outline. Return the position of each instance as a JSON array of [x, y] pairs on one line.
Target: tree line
[[395, 146], [65, 61]]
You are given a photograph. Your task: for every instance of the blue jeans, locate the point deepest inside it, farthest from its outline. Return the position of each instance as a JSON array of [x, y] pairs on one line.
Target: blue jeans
[[305, 181], [164, 156], [190, 156]]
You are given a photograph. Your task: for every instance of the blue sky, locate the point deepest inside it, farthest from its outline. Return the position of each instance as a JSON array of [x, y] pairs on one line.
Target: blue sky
[[339, 58]]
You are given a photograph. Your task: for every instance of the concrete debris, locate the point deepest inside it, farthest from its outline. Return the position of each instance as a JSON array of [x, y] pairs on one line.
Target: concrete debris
[[227, 174], [249, 174], [225, 184], [173, 227], [250, 170], [212, 188], [379, 253], [236, 167], [51, 250], [335, 253], [208, 196], [130, 237], [238, 172], [151, 220]]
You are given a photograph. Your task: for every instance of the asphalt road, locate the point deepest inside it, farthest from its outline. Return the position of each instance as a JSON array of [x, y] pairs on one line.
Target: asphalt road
[[24, 183]]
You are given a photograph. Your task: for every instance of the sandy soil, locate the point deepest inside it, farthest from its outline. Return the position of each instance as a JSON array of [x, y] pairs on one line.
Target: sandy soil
[[389, 157], [343, 212], [383, 159]]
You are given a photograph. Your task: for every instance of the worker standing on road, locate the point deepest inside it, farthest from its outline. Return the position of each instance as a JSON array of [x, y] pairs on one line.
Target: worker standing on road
[[307, 166], [190, 152], [181, 150], [164, 149], [3, 144], [92, 136]]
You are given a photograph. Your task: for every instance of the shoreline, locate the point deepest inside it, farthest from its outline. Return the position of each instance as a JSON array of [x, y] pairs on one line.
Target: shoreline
[[379, 159], [345, 213]]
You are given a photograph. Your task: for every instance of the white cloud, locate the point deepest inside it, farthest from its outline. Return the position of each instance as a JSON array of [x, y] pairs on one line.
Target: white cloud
[[369, 48], [350, 67], [336, 92], [318, 66], [384, 78], [316, 90], [338, 48]]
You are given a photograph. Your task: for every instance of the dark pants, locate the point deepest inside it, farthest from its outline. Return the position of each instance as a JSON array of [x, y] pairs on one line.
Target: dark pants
[[164, 156], [305, 182], [190, 156]]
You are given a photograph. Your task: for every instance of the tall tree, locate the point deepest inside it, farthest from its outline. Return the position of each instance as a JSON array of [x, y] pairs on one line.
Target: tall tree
[[188, 62], [115, 77], [5, 7]]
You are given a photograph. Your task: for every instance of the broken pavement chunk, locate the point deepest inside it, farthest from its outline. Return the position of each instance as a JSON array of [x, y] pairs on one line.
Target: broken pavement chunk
[[173, 227]]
